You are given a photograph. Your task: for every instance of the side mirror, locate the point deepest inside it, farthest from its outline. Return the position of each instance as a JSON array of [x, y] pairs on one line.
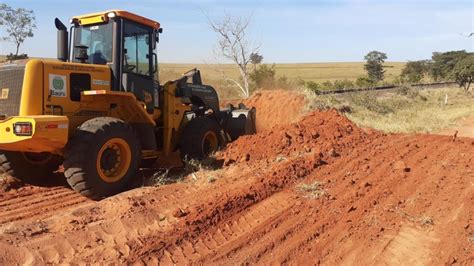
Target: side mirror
[[62, 45], [154, 39]]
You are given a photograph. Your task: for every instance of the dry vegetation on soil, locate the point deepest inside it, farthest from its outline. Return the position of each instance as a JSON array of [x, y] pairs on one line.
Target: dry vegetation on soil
[[317, 72], [313, 189], [215, 75], [425, 111]]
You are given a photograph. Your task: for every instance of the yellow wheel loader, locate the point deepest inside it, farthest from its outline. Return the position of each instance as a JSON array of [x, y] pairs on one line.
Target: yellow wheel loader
[[100, 111]]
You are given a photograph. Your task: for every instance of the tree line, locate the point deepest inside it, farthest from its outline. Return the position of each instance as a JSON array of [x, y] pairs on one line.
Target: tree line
[[233, 45], [457, 66]]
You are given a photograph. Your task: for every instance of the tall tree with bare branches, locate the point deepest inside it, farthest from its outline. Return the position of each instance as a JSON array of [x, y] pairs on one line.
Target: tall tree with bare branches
[[234, 46]]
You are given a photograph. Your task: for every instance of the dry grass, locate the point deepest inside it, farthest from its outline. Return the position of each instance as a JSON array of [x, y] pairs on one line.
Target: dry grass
[[423, 112], [314, 190], [317, 72]]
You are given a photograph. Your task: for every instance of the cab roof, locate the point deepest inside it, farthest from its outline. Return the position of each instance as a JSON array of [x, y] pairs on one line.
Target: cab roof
[[100, 17]]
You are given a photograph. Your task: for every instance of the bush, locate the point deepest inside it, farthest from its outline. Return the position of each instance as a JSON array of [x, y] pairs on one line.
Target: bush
[[414, 71], [328, 85], [264, 76], [313, 86], [369, 101], [408, 91], [364, 82], [343, 84], [12, 57], [285, 83]]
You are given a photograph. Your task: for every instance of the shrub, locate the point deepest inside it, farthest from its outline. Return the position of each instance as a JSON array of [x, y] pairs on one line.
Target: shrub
[[343, 84], [414, 71], [284, 83], [313, 86], [12, 57], [364, 82], [369, 101], [264, 76]]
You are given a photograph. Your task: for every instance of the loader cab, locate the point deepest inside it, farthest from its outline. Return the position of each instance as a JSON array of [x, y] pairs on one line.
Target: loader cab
[[127, 43]]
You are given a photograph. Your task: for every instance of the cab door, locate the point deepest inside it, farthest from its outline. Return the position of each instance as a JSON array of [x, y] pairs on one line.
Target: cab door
[[138, 62]]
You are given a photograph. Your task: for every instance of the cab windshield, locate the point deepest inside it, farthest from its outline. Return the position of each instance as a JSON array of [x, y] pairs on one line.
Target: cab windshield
[[98, 40]]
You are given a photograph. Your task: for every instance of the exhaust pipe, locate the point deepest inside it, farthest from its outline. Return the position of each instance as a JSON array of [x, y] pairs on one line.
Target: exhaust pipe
[[63, 47]]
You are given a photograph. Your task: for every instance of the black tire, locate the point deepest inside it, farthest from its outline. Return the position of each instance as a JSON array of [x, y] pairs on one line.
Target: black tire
[[83, 167], [193, 138], [29, 167]]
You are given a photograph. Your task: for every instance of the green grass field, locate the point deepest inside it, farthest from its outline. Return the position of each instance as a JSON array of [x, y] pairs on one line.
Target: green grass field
[[317, 72]]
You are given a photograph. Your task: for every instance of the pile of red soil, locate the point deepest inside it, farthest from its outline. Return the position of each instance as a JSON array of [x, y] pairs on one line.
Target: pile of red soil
[[319, 190], [320, 132], [276, 107]]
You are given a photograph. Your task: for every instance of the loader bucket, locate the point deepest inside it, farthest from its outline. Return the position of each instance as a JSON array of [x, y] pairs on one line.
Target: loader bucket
[[241, 121]]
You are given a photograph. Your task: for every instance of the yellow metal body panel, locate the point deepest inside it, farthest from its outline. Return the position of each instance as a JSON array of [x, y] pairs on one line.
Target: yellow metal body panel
[[32, 89], [126, 106], [50, 134], [173, 117], [46, 98], [77, 111], [47, 105], [99, 17]]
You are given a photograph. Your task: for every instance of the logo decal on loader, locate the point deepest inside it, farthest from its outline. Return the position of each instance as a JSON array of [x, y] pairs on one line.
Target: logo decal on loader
[[4, 94], [57, 85]]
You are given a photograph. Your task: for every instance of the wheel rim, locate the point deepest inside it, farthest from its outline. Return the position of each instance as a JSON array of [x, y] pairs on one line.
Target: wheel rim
[[113, 160], [210, 143]]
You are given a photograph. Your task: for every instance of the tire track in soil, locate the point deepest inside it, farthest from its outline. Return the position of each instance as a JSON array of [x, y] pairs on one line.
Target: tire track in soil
[[31, 202], [248, 193], [33, 198], [18, 197], [254, 214], [39, 205], [228, 233], [290, 232], [140, 231]]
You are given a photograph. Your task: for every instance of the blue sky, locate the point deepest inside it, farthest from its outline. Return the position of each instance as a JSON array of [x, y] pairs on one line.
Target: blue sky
[[288, 31]]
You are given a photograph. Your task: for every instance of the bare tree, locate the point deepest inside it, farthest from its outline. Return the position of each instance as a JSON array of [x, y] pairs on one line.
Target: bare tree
[[19, 22], [234, 46]]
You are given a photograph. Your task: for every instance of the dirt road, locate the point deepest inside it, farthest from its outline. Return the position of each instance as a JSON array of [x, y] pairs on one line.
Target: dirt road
[[318, 191]]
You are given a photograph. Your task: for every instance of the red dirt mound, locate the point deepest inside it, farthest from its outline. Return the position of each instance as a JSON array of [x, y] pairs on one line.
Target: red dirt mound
[[326, 131], [319, 191], [276, 107]]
